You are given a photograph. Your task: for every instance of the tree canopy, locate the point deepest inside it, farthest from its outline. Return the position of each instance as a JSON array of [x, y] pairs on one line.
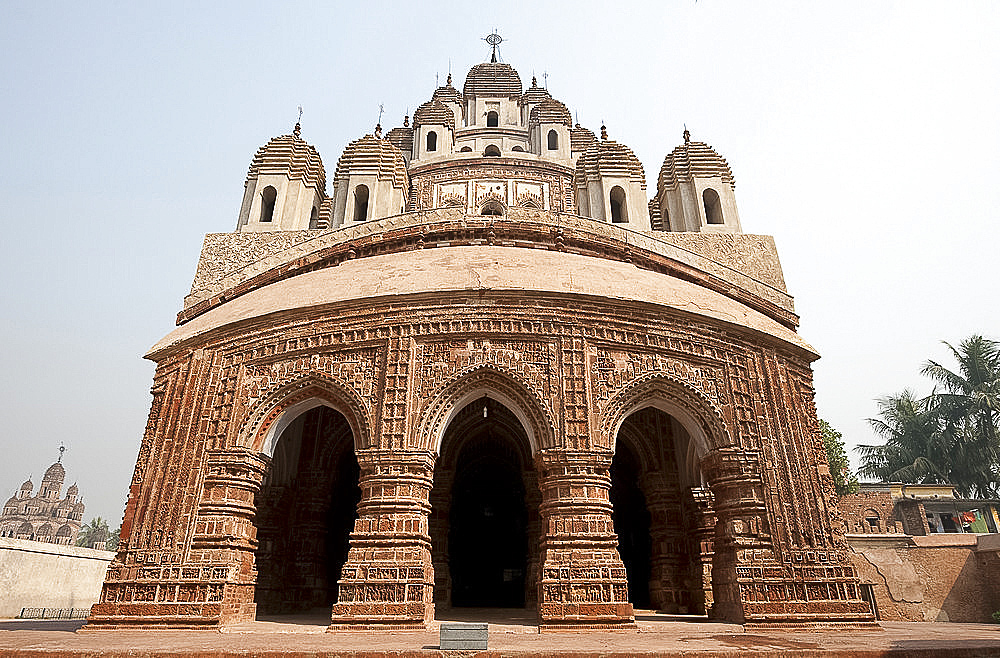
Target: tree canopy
[[950, 436], [844, 482]]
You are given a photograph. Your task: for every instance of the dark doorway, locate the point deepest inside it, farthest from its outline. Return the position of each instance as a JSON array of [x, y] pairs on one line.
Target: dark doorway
[[305, 513], [631, 519], [481, 527]]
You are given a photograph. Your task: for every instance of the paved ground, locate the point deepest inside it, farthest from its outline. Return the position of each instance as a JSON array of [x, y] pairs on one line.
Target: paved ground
[[512, 633]]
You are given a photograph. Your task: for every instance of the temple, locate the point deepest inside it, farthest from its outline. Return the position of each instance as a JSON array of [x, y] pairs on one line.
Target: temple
[[485, 367], [45, 516]]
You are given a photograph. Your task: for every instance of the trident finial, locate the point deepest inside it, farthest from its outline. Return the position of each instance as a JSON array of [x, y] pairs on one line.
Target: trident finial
[[298, 124]]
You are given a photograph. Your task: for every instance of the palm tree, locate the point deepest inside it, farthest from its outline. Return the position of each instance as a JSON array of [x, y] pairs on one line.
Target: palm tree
[[914, 448], [93, 533], [969, 407], [951, 436]]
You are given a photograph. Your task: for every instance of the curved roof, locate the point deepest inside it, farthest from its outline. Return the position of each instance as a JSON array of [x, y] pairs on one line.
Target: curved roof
[[693, 160], [55, 473], [608, 159], [435, 113], [27, 485], [580, 139], [492, 79], [292, 155], [550, 110], [447, 93], [534, 93], [73, 490], [481, 268], [401, 138], [371, 155]]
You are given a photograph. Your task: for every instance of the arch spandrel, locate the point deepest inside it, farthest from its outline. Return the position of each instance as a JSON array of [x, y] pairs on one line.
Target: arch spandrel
[[288, 401], [474, 383], [699, 415]]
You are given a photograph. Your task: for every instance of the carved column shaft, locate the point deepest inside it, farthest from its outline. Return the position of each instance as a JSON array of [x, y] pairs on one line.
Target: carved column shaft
[[388, 579], [583, 579], [669, 589], [701, 513]]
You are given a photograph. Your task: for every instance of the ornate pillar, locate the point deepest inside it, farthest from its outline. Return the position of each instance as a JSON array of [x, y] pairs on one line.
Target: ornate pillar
[[583, 583], [669, 590], [532, 500], [440, 498], [741, 535], [701, 516], [388, 579], [751, 585], [214, 585]]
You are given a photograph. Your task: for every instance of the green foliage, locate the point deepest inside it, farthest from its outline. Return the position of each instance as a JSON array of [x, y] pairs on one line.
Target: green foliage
[[996, 616], [844, 481], [93, 533], [951, 436]]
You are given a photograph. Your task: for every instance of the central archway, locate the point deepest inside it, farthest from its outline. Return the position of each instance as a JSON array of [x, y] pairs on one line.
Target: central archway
[[305, 512], [484, 523]]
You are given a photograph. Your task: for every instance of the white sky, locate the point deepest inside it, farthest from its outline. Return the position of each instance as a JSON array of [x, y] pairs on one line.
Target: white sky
[[864, 136]]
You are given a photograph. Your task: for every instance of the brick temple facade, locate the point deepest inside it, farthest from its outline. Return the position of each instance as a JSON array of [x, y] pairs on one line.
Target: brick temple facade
[[485, 370]]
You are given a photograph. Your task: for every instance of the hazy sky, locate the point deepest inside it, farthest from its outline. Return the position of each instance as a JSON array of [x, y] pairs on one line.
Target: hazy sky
[[864, 136]]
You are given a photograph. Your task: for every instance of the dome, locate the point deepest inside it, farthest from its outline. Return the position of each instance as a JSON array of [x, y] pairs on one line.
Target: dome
[[292, 155], [693, 160], [371, 155], [492, 79], [401, 138], [12, 501], [580, 139], [447, 93], [434, 113], [55, 473], [608, 159], [79, 507], [73, 490], [551, 111], [534, 93], [28, 485]]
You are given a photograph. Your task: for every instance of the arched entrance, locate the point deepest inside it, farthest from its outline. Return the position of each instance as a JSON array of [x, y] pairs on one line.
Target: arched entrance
[[484, 522], [662, 514], [305, 512]]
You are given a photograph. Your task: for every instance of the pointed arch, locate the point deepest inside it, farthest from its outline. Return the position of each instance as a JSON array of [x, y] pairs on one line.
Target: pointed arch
[[698, 415], [279, 408], [475, 383]]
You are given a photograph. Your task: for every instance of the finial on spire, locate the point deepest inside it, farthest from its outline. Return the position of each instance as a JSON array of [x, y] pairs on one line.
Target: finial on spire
[[534, 81], [604, 131], [378, 124], [687, 134], [449, 77], [62, 449], [406, 119], [494, 40], [298, 124]]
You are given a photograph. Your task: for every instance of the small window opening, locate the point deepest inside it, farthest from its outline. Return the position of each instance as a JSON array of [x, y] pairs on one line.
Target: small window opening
[[466, 149], [553, 140], [267, 198], [713, 206], [872, 519], [492, 119], [313, 217], [619, 214], [518, 149], [432, 141], [492, 208], [361, 202], [492, 151]]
